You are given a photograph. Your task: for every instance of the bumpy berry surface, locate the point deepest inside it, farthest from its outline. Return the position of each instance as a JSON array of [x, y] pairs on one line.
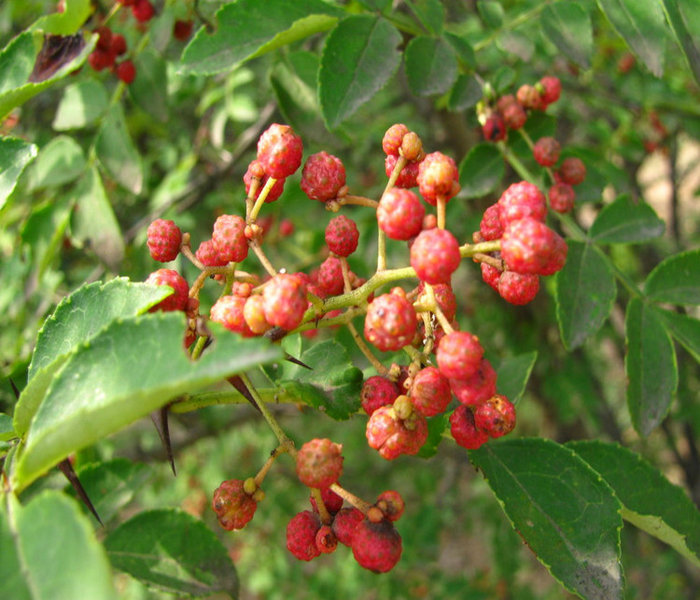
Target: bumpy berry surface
[[285, 301], [494, 129], [301, 535], [330, 276], [345, 523], [326, 542], [490, 275], [491, 227], [391, 504], [464, 430], [529, 97], [435, 255], [229, 238], [163, 240], [438, 176], [546, 151], [400, 214], [444, 296], [126, 71], [280, 151], [319, 463], [514, 115], [228, 310], [392, 436], [430, 392], [519, 200], [518, 288], [331, 501], [572, 171], [391, 322], [342, 235], [323, 176], [478, 388], [551, 89], [233, 507], [256, 171], [178, 299], [393, 138], [459, 355], [254, 314], [408, 177], [377, 391], [562, 197], [496, 416], [529, 246], [376, 546]]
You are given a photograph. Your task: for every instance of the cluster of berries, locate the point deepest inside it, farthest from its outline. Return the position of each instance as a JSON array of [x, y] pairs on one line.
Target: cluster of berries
[[109, 47]]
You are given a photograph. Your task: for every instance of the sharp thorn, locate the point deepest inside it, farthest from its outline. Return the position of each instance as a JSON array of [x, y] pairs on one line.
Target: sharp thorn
[[67, 469]]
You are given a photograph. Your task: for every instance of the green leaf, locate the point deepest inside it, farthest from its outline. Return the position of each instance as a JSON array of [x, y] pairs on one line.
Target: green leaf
[[150, 87], [649, 500], [684, 18], [16, 65], [650, 365], [431, 14], [68, 22], [463, 49], [513, 374], [465, 93], [7, 430], [625, 221], [436, 427], [481, 171], [173, 551], [676, 279], [568, 26], [94, 222], [117, 152], [359, 57], [491, 13], [82, 104], [642, 25], [59, 162], [73, 566], [332, 385], [15, 155], [247, 28], [76, 320], [562, 509], [585, 292], [685, 329], [431, 65], [129, 369], [45, 229]]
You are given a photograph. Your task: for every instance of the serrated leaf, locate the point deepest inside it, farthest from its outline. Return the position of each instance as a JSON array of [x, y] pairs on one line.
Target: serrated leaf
[[650, 365], [248, 28], [625, 221], [359, 57], [82, 104], [431, 65], [67, 22], [481, 171], [685, 329], [173, 551], [62, 160], [513, 374], [649, 500], [562, 509], [129, 369], [569, 28], [333, 384], [431, 14], [642, 25], [17, 63], [462, 48], [585, 292], [676, 279], [76, 320], [465, 93], [150, 87], [684, 18], [32, 569], [117, 152], [15, 155]]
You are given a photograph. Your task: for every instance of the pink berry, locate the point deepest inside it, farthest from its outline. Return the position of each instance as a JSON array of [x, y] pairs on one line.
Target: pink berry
[[529, 246], [326, 542], [233, 506], [319, 463], [229, 238], [444, 296], [400, 214], [228, 310], [391, 504], [342, 235], [301, 535], [494, 129], [464, 430], [562, 197], [572, 171], [376, 546], [459, 355], [391, 322], [208, 256], [393, 138], [435, 256], [518, 288], [490, 275], [514, 115], [522, 199], [331, 501], [377, 391], [408, 176], [256, 171], [496, 416], [345, 523], [438, 177], [330, 276], [284, 301], [280, 151], [323, 176], [254, 314], [178, 299], [546, 151], [393, 436], [491, 227], [550, 87], [478, 388], [529, 97], [163, 240], [430, 392]]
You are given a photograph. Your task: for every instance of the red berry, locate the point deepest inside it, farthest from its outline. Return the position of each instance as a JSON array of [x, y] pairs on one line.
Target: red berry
[[286, 228], [550, 89], [572, 171], [301, 535], [228, 310], [408, 176], [323, 176], [562, 197], [376, 546], [99, 59], [529, 246], [232, 505], [178, 299], [256, 171], [494, 129], [392, 436], [390, 323], [319, 463], [522, 199], [438, 177], [444, 296], [546, 151], [491, 227], [490, 275], [118, 45], [208, 256], [331, 501], [229, 238], [435, 255], [496, 416], [459, 355], [163, 239], [142, 10], [430, 392], [104, 41], [391, 504], [182, 29], [514, 115], [377, 391], [254, 314], [345, 523], [529, 97], [326, 542], [279, 151], [285, 301], [393, 138], [400, 214], [412, 147], [464, 430], [330, 276], [557, 257], [342, 235], [518, 288], [478, 388]]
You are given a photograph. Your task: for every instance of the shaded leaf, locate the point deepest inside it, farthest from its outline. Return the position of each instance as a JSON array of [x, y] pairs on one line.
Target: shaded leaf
[[481, 171], [150, 87], [562, 509], [60, 161], [568, 26], [45, 229], [650, 365], [685, 329], [173, 551], [491, 13], [676, 279], [431, 65], [117, 152], [684, 18], [625, 221], [585, 291], [649, 500], [7, 430], [513, 374], [15, 155], [431, 14], [359, 57], [462, 48], [465, 93], [82, 104]]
